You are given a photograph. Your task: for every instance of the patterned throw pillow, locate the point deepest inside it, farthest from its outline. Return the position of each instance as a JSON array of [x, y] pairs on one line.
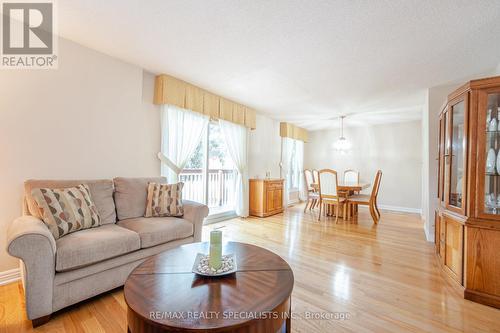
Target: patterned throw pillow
[[66, 210], [164, 200]]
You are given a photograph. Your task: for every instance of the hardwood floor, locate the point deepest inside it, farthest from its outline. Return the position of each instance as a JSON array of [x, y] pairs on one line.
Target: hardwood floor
[[383, 276]]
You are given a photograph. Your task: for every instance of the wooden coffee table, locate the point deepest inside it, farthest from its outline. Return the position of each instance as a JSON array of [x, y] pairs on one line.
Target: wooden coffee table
[[163, 295]]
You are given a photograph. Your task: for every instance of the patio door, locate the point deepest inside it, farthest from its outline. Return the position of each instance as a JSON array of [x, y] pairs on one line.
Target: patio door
[[209, 176]]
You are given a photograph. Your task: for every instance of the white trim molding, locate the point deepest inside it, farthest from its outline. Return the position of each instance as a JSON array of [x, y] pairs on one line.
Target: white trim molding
[[429, 234], [219, 217], [401, 209], [12, 275]]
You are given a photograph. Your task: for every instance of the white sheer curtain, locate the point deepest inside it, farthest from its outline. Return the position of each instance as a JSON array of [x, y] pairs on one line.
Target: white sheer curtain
[[181, 132], [299, 154], [286, 161], [236, 137]]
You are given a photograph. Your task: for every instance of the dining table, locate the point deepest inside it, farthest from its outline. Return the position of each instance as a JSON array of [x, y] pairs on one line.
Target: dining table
[[352, 187], [348, 188]]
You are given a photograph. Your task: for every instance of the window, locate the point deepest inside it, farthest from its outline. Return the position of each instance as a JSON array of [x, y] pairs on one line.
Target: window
[[193, 176], [210, 176], [292, 157]]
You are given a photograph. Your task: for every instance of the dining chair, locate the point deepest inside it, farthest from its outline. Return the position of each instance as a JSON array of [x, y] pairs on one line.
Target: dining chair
[[328, 195], [315, 176], [351, 176], [315, 182], [368, 200], [312, 195]]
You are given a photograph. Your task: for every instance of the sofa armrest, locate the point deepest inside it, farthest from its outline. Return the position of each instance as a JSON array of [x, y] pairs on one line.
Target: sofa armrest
[[195, 213], [29, 239]]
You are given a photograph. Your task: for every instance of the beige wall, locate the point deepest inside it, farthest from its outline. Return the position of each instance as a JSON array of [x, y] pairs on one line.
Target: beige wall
[[265, 148], [91, 118], [394, 148]]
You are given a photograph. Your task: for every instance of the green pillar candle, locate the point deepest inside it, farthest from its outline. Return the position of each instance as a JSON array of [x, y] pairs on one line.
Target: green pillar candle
[[215, 249]]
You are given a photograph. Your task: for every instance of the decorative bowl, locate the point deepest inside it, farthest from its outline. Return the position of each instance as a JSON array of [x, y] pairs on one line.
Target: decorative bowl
[[229, 265]]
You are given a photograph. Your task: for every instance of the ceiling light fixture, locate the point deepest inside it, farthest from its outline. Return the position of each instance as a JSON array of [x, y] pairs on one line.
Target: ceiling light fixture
[[342, 144]]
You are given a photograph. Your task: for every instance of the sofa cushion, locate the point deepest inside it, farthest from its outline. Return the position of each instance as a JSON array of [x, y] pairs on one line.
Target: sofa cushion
[[101, 191], [158, 230], [86, 247], [66, 210], [164, 200], [130, 195]]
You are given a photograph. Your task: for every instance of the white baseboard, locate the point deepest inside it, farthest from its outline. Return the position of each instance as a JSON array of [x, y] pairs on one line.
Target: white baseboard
[[429, 234], [12, 275], [387, 207], [214, 218], [401, 209]]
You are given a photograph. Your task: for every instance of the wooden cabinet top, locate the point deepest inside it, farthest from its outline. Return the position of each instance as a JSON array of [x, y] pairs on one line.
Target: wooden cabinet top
[[267, 180], [483, 83]]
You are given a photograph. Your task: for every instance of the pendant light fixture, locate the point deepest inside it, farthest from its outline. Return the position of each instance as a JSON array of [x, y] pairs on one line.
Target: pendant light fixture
[[342, 144]]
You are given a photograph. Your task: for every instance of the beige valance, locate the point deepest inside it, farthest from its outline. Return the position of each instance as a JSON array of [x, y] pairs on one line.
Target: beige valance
[[288, 130], [169, 90]]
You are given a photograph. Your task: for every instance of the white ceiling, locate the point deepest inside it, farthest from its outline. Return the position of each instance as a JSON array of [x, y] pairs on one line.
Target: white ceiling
[[304, 61]]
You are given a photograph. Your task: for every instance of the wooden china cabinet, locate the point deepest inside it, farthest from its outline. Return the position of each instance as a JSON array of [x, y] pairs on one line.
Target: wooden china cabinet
[[468, 214]]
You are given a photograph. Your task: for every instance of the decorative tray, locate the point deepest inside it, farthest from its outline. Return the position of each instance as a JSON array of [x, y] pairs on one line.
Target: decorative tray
[[201, 266]]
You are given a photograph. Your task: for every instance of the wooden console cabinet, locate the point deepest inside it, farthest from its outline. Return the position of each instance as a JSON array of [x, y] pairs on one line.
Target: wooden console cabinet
[[468, 213], [266, 197]]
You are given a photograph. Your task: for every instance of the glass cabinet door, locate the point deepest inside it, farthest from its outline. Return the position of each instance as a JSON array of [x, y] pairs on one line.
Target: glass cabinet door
[[489, 143], [442, 122], [445, 157], [456, 155]]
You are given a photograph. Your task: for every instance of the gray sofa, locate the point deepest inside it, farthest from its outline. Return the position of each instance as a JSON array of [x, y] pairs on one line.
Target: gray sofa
[[83, 264]]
